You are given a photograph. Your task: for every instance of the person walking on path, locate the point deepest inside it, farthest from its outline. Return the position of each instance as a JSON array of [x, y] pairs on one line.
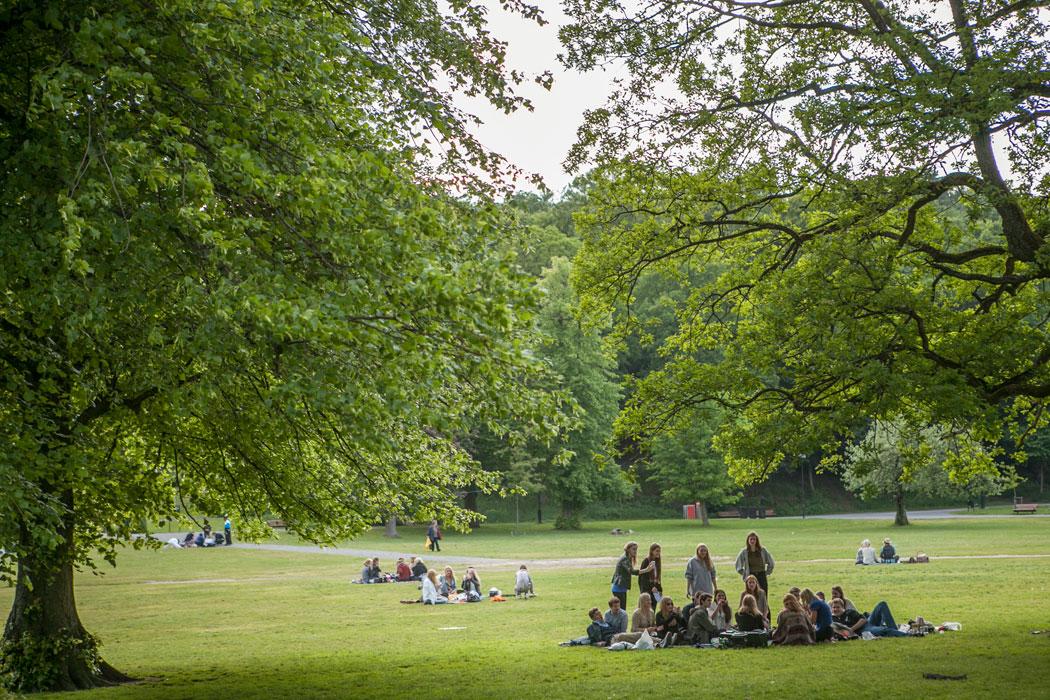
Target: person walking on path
[[434, 533], [754, 560], [228, 529], [625, 568], [700, 572]]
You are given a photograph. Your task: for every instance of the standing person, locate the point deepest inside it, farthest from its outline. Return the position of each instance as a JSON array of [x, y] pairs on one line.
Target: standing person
[[749, 618], [754, 560], [819, 615], [228, 529], [616, 616], [700, 572], [625, 568], [650, 582], [206, 529], [793, 624], [752, 588], [434, 533]]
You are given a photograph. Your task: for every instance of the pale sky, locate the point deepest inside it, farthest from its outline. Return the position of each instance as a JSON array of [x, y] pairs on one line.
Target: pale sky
[[538, 141]]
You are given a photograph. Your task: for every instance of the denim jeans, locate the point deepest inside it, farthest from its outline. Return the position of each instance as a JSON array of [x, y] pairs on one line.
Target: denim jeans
[[881, 624]]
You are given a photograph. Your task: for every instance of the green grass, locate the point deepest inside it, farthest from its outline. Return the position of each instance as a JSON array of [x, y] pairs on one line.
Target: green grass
[[290, 625]]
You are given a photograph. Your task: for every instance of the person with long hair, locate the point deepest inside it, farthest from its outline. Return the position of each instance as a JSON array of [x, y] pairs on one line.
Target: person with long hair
[[720, 612], [749, 618], [669, 624], [643, 620], [793, 624], [649, 581], [471, 585], [755, 560], [430, 590], [448, 583], [625, 568], [752, 588], [819, 615], [700, 572], [836, 592]]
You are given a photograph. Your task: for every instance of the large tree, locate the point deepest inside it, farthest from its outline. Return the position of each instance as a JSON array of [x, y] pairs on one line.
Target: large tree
[[841, 166], [229, 272]]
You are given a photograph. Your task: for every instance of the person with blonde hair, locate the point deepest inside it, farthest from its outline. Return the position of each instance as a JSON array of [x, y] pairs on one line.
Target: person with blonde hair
[[448, 583], [430, 590], [669, 623], [866, 554], [749, 618], [700, 572], [625, 569], [754, 560], [793, 624], [643, 620], [819, 615], [752, 588]]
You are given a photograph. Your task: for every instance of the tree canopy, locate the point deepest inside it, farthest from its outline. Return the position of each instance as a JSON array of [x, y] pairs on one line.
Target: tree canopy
[[230, 273], [867, 183]]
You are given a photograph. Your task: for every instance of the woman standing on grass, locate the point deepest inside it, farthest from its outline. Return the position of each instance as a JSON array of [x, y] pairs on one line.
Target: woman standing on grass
[[650, 582], [752, 588], [700, 572], [625, 568], [754, 560]]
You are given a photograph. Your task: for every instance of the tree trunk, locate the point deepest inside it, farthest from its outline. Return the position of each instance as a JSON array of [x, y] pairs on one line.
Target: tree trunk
[[391, 527], [703, 513], [46, 648], [902, 515], [470, 502]]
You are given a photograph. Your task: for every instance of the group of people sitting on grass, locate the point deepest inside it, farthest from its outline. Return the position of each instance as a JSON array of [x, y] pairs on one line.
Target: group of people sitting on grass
[[439, 590], [866, 554], [806, 618], [204, 538], [372, 573]]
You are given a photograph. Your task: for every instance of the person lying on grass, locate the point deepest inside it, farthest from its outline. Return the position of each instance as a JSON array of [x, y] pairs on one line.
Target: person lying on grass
[[599, 632], [879, 622]]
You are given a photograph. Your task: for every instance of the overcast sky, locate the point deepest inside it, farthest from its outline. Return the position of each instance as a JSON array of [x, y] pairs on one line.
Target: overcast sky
[[538, 141]]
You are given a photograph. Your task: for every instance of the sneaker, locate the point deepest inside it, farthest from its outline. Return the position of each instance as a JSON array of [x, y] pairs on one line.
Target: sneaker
[[565, 644]]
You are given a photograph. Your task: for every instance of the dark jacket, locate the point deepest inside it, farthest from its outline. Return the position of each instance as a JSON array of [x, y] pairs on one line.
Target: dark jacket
[[622, 575], [600, 631], [649, 580], [746, 622], [700, 628], [668, 623]]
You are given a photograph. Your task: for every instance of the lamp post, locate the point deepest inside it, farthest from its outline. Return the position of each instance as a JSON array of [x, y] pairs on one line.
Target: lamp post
[[802, 483]]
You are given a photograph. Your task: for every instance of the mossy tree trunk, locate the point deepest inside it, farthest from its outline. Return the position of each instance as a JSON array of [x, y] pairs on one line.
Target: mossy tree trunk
[[45, 646], [902, 515]]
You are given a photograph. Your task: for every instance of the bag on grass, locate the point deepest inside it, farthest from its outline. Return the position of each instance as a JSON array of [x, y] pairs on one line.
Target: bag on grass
[[756, 639], [735, 639], [645, 642]]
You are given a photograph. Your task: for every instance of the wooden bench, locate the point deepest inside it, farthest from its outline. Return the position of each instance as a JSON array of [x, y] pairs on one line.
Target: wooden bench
[[1025, 507], [277, 524], [746, 513]]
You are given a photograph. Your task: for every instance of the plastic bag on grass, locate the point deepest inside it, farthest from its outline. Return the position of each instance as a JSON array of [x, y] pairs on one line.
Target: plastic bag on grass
[[621, 646], [645, 642]]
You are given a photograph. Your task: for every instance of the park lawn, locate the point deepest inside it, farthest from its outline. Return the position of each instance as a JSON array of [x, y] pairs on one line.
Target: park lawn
[[240, 623], [789, 538]]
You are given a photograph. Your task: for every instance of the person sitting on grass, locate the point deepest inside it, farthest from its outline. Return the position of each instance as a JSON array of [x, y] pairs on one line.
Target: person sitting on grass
[[836, 592], [749, 618], [866, 554], [819, 615], [366, 572], [523, 582], [616, 617], [447, 584], [669, 623], [793, 624], [720, 612], [879, 622], [403, 572], [472, 585], [430, 590], [599, 632], [699, 627], [419, 569], [889, 552], [643, 620], [752, 588]]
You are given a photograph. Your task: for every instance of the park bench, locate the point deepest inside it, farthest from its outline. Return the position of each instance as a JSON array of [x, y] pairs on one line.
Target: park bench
[[746, 512], [277, 524], [1025, 507]]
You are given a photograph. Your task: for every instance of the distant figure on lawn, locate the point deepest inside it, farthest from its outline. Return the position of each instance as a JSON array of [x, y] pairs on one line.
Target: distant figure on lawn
[[403, 572], [419, 569], [754, 560], [447, 584], [625, 568], [471, 585], [866, 554], [523, 583], [889, 552], [434, 535], [227, 528], [430, 590]]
